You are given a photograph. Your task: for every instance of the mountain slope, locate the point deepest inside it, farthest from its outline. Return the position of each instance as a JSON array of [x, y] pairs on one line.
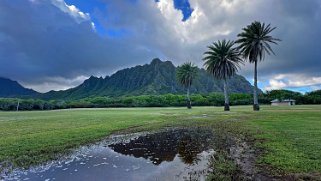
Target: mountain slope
[[10, 88], [158, 77]]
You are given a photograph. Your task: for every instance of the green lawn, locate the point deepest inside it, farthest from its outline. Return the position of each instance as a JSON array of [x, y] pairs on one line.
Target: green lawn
[[291, 135]]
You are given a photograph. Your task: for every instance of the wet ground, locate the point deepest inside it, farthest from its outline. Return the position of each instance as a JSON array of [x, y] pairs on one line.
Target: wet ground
[[174, 154]]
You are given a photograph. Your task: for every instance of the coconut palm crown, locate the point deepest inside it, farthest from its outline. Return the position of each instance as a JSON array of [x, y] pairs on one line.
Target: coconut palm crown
[[254, 42], [185, 74], [222, 60]]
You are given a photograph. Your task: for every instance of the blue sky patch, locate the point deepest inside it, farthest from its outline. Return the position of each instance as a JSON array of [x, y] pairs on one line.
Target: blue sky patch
[[185, 7]]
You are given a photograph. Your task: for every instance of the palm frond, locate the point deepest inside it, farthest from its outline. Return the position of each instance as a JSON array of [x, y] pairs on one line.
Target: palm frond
[[254, 41], [186, 73], [222, 60]]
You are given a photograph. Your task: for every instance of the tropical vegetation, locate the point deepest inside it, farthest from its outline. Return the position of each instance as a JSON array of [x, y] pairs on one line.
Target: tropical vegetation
[[254, 42], [164, 100], [185, 74], [222, 60]]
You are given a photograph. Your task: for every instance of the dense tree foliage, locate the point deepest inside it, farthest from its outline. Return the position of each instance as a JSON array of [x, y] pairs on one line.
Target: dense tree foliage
[[313, 97], [166, 100]]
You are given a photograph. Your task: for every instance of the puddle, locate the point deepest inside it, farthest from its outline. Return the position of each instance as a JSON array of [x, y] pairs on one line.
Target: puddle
[[174, 154]]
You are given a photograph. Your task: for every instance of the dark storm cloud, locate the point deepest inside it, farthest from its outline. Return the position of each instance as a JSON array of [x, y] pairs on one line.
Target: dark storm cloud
[[299, 26], [38, 41], [42, 44]]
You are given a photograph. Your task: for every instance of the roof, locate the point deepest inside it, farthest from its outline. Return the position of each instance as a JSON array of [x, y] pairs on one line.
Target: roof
[[288, 100], [284, 100], [275, 100]]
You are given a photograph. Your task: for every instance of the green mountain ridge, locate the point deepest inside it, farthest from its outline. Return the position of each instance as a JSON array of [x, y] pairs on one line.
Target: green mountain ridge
[[158, 77]]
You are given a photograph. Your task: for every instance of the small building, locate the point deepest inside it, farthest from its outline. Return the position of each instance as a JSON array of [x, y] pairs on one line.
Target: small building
[[284, 102]]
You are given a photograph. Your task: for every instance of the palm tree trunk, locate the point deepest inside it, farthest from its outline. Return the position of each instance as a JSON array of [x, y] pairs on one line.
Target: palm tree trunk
[[189, 105], [227, 102], [256, 106]]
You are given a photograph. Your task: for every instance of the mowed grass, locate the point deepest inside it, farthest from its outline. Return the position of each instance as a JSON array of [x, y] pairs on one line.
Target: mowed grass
[[292, 138], [291, 135]]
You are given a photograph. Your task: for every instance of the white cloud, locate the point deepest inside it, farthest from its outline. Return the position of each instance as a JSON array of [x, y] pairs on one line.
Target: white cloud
[[72, 10], [55, 83], [284, 81]]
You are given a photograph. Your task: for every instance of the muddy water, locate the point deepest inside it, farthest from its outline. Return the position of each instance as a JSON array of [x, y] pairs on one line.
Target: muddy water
[[174, 154]]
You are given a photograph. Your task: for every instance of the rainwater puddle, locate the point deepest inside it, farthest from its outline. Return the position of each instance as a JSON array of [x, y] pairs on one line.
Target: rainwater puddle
[[174, 154]]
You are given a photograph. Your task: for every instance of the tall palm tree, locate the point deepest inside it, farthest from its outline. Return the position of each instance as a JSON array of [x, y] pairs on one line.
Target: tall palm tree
[[185, 75], [222, 60], [254, 42]]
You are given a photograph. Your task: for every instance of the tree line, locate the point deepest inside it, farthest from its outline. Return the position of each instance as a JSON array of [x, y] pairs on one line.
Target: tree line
[[224, 57], [165, 100]]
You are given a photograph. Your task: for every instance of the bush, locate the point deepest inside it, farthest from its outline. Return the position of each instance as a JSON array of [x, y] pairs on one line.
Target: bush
[[213, 99]]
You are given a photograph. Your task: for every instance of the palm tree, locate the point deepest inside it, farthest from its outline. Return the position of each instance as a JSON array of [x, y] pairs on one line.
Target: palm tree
[[254, 42], [185, 75], [222, 61]]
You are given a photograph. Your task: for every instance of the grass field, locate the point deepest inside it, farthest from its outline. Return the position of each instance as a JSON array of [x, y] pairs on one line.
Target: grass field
[[289, 136]]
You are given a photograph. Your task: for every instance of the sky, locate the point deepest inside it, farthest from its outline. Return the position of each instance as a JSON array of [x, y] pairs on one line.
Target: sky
[[57, 44]]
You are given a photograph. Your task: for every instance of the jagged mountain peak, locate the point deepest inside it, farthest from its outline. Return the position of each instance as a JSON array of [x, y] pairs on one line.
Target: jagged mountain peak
[[157, 77], [156, 61]]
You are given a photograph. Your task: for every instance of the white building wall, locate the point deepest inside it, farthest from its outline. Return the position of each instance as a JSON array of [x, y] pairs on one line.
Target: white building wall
[[282, 103]]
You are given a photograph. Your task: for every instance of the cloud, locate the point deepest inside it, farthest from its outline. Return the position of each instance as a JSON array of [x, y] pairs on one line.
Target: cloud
[[72, 10], [159, 27], [286, 81], [53, 83], [42, 39]]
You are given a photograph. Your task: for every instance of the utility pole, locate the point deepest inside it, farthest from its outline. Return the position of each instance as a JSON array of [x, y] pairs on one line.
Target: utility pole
[[18, 105]]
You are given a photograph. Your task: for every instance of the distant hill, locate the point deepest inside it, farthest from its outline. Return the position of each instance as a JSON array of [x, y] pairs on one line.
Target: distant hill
[[10, 88], [158, 77]]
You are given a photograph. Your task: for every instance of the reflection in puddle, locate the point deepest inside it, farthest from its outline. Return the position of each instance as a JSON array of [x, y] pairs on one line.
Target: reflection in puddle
[[175, 154]]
